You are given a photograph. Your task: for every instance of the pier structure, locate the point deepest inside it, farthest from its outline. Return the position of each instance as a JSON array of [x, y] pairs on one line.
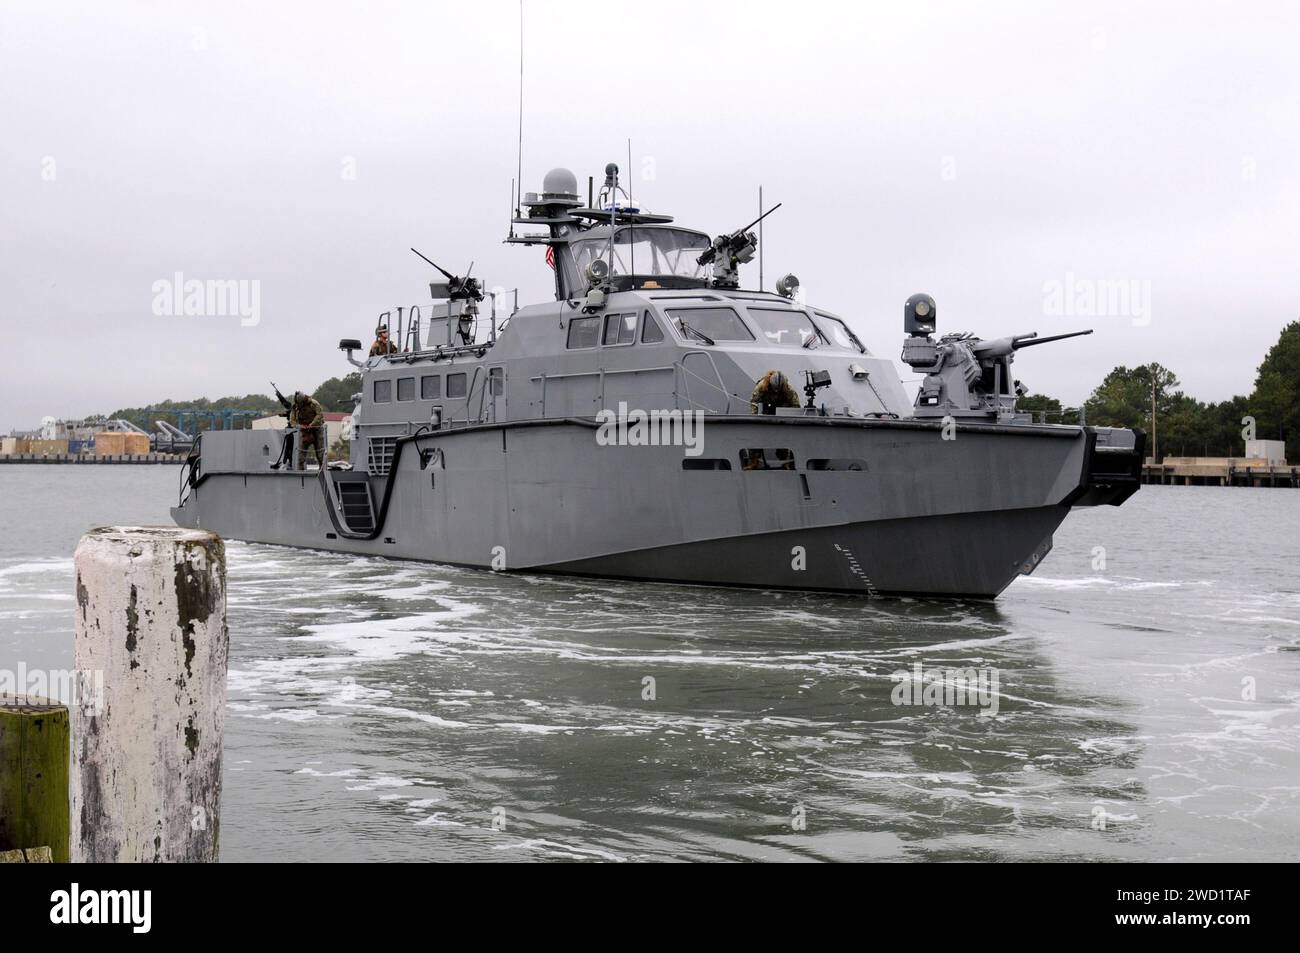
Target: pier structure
[[1220, 471], [92, 458]]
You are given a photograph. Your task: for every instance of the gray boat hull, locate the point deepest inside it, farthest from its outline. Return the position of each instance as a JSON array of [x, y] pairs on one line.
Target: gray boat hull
[[874, 507]]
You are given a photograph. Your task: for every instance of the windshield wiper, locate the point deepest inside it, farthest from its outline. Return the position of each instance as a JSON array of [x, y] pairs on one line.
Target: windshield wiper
[[808, 344], [687, 329]]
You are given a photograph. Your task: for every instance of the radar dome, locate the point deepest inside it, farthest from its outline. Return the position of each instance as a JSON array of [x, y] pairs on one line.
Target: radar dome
[[560, 182]]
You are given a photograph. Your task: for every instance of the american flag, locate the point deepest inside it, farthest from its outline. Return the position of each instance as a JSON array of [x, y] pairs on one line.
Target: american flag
[[550, 255]]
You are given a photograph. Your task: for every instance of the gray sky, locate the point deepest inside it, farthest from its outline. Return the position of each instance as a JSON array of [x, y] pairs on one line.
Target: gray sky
[[974, 151]]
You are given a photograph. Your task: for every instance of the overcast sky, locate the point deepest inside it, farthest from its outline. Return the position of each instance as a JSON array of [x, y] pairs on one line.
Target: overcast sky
[[978, 152]]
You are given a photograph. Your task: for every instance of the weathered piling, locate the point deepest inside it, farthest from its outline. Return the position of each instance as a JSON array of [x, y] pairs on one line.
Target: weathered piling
[[33, 777], [146, 767]]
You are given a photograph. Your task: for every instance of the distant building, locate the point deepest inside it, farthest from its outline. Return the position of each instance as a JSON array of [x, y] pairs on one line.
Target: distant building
[[78, 435], [1272, 452]]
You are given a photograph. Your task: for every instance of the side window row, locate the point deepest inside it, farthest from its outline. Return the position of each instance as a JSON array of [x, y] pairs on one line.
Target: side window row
[[619, 329], [774, 458], [430, 387]]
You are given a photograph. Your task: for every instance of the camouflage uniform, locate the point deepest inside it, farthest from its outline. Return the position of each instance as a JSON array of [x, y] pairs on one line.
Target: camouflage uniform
[[381, 348], [772, 391], [309, 417]]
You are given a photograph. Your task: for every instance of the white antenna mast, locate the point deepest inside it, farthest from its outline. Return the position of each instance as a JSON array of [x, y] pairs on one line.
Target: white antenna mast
[[519, 171]]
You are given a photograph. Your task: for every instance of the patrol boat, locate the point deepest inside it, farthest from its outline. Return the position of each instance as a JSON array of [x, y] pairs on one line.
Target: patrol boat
[[616, 432]]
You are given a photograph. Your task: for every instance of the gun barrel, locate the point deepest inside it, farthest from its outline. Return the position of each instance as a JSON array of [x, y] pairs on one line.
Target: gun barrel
[[447, 274], [741, 231], [1029, 340], [710, 253]]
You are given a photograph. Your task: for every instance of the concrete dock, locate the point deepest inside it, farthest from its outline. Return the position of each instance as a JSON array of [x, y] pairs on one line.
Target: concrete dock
[[1219, 471], [91, 458]]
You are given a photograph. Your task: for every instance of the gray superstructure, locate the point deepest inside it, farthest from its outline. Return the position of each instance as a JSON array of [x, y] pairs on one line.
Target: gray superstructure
[[610, 432]]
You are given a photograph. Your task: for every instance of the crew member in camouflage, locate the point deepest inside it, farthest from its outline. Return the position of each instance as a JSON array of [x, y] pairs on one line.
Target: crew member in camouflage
[[382, 345], [309, 417], [772, 391]]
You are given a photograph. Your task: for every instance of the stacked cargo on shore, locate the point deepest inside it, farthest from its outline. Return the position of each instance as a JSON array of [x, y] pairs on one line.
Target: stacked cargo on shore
[[107, 446], [118, 442], [13, 445]]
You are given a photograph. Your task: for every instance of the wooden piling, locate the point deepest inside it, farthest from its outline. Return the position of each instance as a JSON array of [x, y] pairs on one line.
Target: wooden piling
[[146, 766], [33, 777]]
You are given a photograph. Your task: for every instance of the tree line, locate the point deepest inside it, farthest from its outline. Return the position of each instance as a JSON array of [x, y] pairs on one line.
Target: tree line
[[335, 395]]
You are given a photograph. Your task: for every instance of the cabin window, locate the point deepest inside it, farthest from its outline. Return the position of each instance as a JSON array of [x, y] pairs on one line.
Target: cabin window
[[497, 381], [430, 387], [620, 329], [651, 333], [787, 328], [717, 324], [406, 388], [455, 385], [651, 252], [840, 333], [383, 391], [584, 332], [767, 458], [705, 463], [837, 463]]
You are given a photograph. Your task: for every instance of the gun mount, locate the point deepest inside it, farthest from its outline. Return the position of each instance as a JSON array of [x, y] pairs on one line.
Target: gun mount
[[965, 376], [813, 382], [728, 252], [462, 296]]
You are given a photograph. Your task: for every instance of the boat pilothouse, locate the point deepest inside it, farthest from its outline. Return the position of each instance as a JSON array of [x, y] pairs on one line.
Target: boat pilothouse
[[489, 450]]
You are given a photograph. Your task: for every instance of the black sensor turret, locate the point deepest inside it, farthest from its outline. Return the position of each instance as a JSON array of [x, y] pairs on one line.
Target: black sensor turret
[[918, 315]]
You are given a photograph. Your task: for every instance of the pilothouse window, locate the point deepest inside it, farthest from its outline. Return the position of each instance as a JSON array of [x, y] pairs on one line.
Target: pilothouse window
[[620, 329], [839, 333], [715, 324], [455, 385], [584, 332], [787, 328], [647, 251], [651, 333]]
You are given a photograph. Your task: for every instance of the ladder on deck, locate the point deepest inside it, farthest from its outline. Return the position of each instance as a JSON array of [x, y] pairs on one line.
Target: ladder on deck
[[357, 505]]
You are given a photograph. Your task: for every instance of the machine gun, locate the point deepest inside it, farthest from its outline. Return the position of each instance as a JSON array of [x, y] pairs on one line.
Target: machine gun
[[457, 289], [284, 401], [286, 444], [728, 252], [965, 376]]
